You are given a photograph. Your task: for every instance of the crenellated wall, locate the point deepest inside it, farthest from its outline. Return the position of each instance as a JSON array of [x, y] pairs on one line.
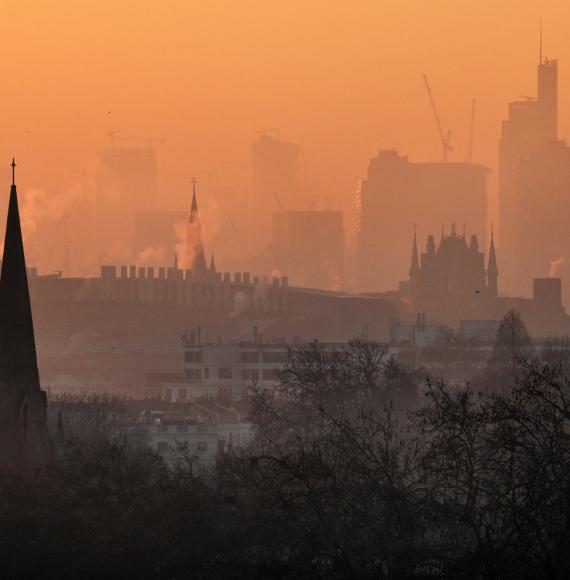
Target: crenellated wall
[[167, 285]]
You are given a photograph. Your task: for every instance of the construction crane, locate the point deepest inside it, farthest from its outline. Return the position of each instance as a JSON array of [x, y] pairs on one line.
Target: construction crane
[[444, 137], [469, 154]]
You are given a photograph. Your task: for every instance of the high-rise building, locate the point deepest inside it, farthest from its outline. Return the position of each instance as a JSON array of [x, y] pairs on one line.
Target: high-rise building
[[126, 182], [543, 191], [398, 193], [531, 124], [24, 439], [309, 246], [276, 174]]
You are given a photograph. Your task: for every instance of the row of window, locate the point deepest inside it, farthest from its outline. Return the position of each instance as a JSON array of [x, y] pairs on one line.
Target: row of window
[[163, 446], [269, 356], [226, 373]]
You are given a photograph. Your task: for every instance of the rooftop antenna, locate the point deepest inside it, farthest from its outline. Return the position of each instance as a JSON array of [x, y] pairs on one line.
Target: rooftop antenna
[[13, 164]]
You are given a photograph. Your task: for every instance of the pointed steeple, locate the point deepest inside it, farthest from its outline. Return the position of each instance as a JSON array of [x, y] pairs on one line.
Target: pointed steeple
[[194, 208], [18, 354], [492, 268], [415, 267], [212, 263], [195, 258]]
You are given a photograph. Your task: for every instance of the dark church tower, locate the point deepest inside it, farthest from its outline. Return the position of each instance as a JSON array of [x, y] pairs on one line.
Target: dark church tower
[[492, 271], [24, 438]]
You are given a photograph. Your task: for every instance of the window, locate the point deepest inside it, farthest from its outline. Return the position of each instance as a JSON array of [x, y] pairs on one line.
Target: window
[[168, 395], [249, 356], [275, 356], [206, 373], [182, 395], [224, 373], [182, 428], [163, 428], [193, 356], [249, 374], [202, 446], [194, 374], [269, 375]]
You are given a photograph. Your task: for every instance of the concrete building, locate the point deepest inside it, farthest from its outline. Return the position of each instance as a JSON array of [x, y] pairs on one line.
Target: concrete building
[[397, 194], [200, 432], [310, 247], [226, 371]]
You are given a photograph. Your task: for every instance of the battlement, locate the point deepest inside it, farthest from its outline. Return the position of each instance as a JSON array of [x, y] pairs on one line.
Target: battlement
[[171, 273], [234, 294]]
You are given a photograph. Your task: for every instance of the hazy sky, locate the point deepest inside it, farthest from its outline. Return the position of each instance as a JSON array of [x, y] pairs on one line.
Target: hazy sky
[[343, 77]]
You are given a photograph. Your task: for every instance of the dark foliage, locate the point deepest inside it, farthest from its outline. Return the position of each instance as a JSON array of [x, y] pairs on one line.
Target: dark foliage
[[359, 470]]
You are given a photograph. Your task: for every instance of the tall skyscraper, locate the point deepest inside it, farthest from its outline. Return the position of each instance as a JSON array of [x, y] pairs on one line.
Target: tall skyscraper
[[276, 172], [398, 193], [531, 124]]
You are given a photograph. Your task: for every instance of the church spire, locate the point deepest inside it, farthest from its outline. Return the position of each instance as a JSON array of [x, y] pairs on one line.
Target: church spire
[[212, 263], [194, 208], [15, 309], [492, 268], [415, 267], [195, 258]]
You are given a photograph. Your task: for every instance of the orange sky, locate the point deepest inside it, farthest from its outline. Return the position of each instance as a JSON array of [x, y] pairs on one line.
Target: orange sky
[[343, 77]]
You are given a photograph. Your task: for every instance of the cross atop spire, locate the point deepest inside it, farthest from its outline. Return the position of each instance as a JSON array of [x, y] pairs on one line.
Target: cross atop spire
[[13, 164]]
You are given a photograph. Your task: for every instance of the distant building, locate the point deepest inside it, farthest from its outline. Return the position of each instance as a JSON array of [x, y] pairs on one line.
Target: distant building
[[126, 182], [310, 247], [199, 432], [227, 371], [24, 440], [450, 283], [276, 173], [452, 275], [154, 237], [531, 124], [398, 193], [543, 188]]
